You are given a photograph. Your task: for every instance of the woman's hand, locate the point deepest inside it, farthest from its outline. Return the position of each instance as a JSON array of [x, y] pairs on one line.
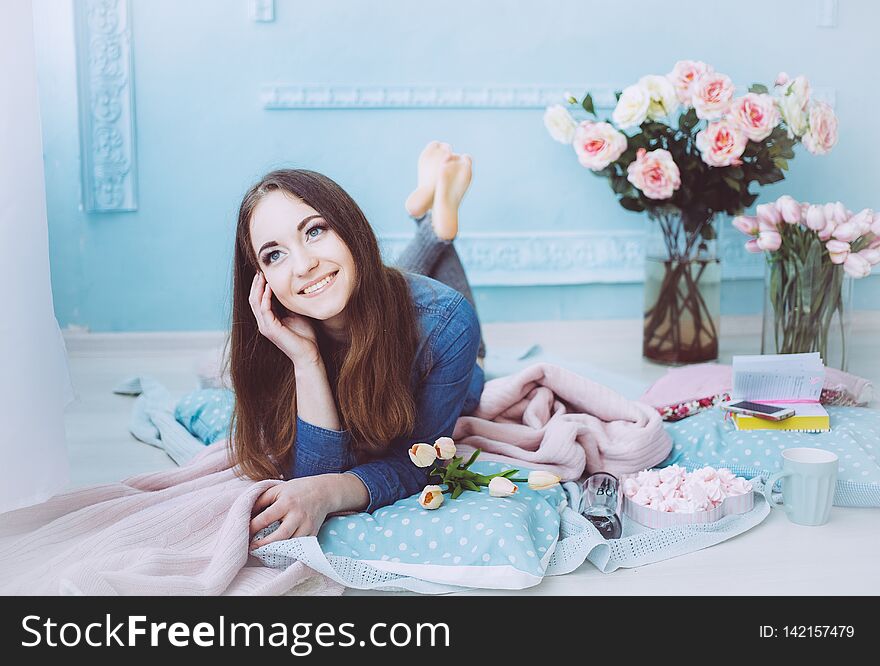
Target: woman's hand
[[294, 335], [300, 504]]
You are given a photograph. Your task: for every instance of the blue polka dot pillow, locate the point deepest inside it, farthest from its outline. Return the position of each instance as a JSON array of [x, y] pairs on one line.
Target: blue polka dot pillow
[[708, 439], [206, 413], [473, 541]]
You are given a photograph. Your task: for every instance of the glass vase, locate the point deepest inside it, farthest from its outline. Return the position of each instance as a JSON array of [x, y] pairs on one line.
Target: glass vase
[[807, 305], [682, 290]]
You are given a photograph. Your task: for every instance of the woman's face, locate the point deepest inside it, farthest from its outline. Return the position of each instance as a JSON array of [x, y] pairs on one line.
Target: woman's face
[[308, 267]]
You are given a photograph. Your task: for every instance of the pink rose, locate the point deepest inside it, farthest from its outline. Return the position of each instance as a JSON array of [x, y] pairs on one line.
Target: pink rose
[[711, 95], [598, 144], [857, 265], [683, 75], [721, 144], [746, 224], [822, 133], [753, 247], [756, 115], [769, 240], [789, 209], [838, 251], [654, 173], [815, 218]]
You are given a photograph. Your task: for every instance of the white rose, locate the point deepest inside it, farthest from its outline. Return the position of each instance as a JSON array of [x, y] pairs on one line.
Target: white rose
[[793, 106], [664, 101], [632, 107], [559, 123]]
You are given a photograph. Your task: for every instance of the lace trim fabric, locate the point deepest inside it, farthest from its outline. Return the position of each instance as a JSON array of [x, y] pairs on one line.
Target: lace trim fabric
[[578, 542]]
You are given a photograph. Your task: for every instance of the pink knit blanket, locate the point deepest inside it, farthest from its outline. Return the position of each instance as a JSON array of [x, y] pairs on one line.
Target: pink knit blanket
[[546, 417], [177, 532]]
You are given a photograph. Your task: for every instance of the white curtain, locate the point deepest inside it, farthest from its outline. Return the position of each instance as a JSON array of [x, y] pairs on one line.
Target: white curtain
[[34, 379]]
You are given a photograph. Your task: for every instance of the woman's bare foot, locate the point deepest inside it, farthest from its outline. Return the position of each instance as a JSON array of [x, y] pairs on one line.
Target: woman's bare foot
[[431, 159], [452, 183]]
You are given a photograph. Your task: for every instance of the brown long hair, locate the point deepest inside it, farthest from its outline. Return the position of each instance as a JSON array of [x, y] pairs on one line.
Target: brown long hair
[[373, 390]]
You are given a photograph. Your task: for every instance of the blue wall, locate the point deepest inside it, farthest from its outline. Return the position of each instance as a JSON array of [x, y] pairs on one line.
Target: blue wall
[[203, 134]]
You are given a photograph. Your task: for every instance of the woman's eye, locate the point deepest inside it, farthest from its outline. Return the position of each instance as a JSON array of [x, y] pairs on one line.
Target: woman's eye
[[268, 257], [317, 227]]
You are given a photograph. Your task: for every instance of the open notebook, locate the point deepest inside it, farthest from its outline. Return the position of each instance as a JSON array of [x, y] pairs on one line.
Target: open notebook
[[783, 380]]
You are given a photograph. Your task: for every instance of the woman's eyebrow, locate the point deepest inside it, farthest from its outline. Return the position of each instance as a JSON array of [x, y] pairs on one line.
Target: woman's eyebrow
[[299, 227]]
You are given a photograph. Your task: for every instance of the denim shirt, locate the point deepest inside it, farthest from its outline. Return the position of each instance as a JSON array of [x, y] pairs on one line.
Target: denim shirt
[[449, 336]]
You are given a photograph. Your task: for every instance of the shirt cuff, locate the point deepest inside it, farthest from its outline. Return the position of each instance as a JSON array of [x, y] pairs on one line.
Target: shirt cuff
[[321, 450]]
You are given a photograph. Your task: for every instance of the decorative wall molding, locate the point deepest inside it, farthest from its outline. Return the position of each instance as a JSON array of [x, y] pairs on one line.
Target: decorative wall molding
[[288, 96], [285, 97], [262, 11], [569, 258], [106, 105]]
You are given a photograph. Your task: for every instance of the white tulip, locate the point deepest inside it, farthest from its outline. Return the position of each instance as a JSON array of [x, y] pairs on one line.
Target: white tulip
[[501, 486], [422, 455], [431, 497], [445, 448], [541, 480]]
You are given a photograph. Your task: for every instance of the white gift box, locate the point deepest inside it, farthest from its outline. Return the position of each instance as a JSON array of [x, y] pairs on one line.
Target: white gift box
[[658, 519]]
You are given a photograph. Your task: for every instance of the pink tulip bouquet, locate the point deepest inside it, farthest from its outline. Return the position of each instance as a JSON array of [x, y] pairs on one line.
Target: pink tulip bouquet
[[810, 248], [685, 147]]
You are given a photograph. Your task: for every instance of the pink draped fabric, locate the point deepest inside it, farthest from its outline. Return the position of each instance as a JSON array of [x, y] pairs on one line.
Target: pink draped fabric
[[176, 532], [549, 418]]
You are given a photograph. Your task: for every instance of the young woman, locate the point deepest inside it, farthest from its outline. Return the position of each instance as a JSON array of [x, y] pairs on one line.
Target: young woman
[[340, 363]]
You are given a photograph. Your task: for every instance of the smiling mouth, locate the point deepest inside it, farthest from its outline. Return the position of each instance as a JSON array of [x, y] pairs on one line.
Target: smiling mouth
[[320, 286]]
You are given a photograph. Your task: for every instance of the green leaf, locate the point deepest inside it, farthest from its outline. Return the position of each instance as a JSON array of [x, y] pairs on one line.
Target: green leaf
[[470, 485], [733, 183], [632, 204], [781, 163], [687, 121], [471, 459], [588, 104], [457, 491], [759, 88], [508, 473], [617, 94]]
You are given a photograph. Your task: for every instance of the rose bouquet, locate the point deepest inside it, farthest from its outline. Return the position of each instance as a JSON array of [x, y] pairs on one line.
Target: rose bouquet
[[457, 477], [684, 148], [810, 249]]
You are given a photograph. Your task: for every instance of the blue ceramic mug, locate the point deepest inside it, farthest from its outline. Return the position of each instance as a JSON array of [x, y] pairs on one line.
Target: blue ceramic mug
[[809, 477]]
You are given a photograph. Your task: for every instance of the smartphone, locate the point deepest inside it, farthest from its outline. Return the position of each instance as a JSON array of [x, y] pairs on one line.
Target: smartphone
[[769, 412]]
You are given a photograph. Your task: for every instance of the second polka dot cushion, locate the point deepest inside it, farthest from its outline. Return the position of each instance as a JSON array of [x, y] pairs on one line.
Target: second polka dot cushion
[[474, 541], [708, 439]]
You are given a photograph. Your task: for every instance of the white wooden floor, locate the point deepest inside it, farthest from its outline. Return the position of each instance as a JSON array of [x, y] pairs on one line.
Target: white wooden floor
[[776, 557]]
